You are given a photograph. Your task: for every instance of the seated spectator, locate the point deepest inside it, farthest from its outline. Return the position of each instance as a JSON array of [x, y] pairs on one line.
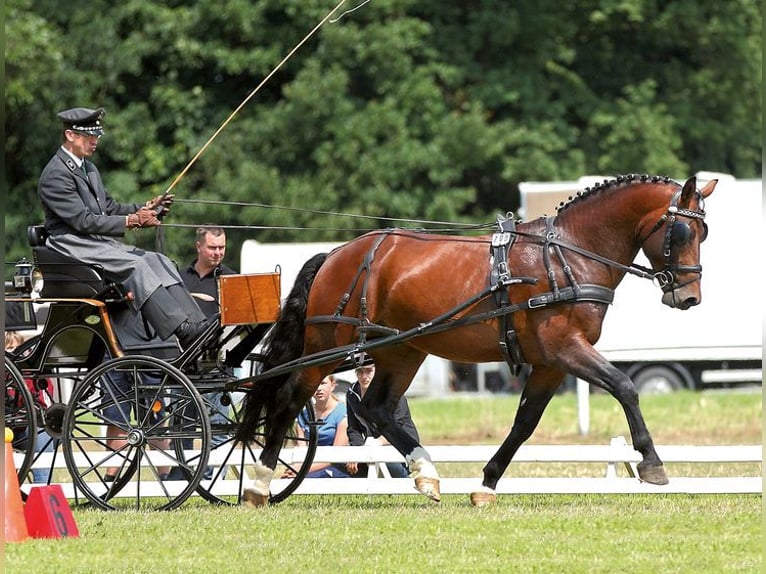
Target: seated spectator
[[43, 441], [361, 432], [331, 413]]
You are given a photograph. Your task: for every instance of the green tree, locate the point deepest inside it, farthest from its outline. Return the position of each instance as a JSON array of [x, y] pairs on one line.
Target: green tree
[[427, 110]]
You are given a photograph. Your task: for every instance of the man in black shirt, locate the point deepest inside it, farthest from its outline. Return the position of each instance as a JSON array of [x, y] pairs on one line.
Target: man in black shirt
[[201, 277]]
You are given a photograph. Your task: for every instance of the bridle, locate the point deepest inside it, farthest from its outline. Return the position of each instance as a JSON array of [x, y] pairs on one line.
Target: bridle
[[677, 234]]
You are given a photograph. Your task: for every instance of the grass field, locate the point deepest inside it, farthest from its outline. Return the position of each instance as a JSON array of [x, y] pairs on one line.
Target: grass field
[[526, 534]]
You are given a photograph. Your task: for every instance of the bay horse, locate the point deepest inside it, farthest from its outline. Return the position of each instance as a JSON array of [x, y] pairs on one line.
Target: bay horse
[[533, 293]]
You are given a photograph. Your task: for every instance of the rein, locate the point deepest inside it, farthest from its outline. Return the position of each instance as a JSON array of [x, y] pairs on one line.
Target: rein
[[500, 280], [550, 238]]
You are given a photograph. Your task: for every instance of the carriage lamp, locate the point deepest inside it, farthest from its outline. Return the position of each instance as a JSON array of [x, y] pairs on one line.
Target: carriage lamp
[[27, 279]]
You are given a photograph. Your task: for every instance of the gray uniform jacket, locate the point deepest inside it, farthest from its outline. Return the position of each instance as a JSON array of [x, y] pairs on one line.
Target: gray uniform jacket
[[84, 222]]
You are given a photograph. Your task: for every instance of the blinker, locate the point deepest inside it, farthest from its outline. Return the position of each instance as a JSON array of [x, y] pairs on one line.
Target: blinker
[[681, 233]]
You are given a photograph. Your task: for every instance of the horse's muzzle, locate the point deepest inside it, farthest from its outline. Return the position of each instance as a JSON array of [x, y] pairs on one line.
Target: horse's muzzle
[[677, 299]]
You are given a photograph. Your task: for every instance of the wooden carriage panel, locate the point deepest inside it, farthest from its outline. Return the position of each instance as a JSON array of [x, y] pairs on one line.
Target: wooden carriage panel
[[251, 298]]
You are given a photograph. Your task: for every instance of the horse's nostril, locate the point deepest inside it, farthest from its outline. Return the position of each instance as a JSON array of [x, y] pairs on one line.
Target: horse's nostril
[[690, 302]]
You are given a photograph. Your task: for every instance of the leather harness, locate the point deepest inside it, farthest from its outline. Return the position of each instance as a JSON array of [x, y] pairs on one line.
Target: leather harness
[[499, 279]]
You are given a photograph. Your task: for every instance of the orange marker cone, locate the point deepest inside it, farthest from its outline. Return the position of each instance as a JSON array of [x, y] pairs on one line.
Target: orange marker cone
[[15, 522]]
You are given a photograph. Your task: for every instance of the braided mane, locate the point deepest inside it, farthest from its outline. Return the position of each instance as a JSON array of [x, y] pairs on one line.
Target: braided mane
[[620, 181]]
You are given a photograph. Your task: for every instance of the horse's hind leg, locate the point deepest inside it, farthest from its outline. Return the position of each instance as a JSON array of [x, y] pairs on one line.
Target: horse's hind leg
[[282, 408], [537, 393], [394, 371]]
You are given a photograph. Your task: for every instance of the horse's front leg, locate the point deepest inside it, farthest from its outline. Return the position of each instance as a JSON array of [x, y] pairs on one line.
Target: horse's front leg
[[538, 391], [650, 469], [603, 374]]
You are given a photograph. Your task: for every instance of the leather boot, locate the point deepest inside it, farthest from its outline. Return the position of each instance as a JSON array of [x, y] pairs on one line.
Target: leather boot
[[189, 331], [163, 313], [186, 302]]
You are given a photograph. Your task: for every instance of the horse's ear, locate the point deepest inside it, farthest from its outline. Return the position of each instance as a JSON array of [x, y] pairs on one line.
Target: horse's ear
[[688, 191], [708, 189]]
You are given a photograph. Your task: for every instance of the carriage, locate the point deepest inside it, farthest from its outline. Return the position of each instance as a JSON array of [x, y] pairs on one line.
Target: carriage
[[137, 419], [138, 422]]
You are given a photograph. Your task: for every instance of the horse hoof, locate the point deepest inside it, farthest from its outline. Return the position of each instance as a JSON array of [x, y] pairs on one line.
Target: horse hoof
[[429, 487], [483, 498], [254, 499], [653, 474]]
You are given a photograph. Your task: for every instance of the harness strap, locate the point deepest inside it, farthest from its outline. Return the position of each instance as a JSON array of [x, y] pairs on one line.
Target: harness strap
[[363, 267], [500, 275], [587, 292], [550, 235], [361, 324]]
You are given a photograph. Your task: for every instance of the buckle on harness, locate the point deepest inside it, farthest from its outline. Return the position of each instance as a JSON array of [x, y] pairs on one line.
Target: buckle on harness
[[536, 302], [502, 272]]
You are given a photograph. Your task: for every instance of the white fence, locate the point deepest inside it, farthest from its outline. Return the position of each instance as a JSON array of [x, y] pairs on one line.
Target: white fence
[[613, 456]]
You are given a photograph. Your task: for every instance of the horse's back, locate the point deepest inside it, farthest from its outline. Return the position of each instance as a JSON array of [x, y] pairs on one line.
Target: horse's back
[[420, 274]]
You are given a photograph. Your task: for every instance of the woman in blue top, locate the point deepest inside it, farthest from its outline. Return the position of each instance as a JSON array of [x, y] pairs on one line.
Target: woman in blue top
[[333, 430]]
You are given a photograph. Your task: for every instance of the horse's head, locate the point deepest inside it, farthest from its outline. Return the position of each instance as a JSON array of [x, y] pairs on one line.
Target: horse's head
[[673, 245]]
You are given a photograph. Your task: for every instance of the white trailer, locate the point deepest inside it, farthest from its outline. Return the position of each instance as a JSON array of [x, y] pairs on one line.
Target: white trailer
[[718, 342]]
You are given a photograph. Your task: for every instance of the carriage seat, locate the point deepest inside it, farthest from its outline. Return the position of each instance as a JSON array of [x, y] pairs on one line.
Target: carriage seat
[[64, 276]]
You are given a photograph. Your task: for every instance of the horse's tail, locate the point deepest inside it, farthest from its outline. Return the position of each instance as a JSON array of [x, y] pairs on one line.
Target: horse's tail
[[284, 343]]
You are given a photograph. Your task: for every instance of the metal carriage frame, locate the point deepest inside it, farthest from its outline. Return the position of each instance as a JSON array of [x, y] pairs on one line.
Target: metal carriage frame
[[139, 423]]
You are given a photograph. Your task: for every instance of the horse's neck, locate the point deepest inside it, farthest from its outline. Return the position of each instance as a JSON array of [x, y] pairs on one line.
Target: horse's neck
[[610, 224], [606, 236]]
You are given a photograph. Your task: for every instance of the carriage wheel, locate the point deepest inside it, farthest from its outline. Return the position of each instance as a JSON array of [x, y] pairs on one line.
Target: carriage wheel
[[20, 416], [122, 432], [232, 462]]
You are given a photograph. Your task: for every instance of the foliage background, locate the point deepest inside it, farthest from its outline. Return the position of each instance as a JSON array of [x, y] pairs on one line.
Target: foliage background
[[428, 109]]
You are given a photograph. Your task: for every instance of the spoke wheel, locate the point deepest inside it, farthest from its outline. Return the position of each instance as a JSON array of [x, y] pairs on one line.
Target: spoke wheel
[[122, 432], [232, 462], [20, 417]]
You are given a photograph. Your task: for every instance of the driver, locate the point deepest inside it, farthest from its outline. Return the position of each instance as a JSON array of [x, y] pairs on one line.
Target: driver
[[84, 222]]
